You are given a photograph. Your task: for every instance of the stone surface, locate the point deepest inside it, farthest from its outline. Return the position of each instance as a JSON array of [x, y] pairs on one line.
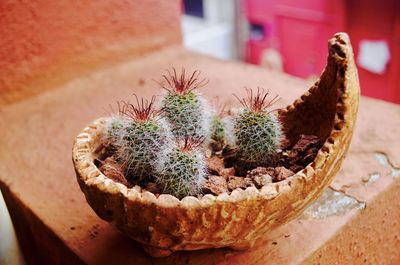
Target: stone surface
[[54, 222]]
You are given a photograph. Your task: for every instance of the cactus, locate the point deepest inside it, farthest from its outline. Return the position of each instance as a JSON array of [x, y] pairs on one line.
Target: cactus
[[257, 131], [137, 134], [181, 168], [218, 130], [184, 108]]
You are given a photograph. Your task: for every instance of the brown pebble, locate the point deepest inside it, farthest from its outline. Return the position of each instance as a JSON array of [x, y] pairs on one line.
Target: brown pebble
[[215, 185], [296, 168], [215, 145], [261, 171], [239, 182], [111, 169], [215, 165], [227, 172], [285, 143], [305, 142], [282, 173], [262, 180]]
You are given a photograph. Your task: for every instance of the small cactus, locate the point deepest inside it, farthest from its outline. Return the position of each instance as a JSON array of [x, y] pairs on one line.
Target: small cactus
[[182, 168], [257, 131], [137, 134], [184, 108], [218, 130]]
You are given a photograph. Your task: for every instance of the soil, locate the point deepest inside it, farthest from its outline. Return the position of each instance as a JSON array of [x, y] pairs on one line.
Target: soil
[[226, 176]]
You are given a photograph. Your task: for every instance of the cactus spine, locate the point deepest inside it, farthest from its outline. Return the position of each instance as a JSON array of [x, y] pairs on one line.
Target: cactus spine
[[257, 131], [184, 108], [182, 168], [138, 134]]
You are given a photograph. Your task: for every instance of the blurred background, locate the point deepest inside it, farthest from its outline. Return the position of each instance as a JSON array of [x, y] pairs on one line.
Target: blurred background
[[290, 36]]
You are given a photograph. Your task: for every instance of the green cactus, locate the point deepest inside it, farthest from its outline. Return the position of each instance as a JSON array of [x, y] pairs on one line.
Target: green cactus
[[137, 134], [182, 168], [257, 131], [218, 130], [186, 110]]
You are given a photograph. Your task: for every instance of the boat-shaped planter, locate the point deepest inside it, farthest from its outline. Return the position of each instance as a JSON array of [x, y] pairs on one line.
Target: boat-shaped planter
[[165, 224]]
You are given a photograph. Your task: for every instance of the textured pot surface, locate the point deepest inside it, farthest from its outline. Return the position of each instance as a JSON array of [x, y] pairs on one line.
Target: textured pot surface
[[166, 224]]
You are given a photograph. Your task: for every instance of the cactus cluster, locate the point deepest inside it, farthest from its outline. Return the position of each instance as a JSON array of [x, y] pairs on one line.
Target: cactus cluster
[[137, 135], [256, 130], [186, 109], [182, 168], [167, 146]]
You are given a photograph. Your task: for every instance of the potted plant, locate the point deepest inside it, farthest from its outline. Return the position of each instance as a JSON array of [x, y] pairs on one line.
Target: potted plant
[[181, 177]]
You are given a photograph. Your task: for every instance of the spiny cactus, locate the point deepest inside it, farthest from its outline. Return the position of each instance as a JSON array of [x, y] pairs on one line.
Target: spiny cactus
[[257, 131], [181, 168], [184, 108], [138, 134], [218, 130]]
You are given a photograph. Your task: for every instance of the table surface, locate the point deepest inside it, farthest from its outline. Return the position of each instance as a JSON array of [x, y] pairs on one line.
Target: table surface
[[36, 167]]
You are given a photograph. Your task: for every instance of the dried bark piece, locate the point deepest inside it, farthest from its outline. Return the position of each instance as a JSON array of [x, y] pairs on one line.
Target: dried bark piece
[[111, 169], [215, 185]]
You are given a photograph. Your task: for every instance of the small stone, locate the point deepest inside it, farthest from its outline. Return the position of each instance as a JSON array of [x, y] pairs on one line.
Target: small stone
[[302, 153], [262, 180], [296, 168], [216, 146], [111, 169], [239, 182], [229, 154], [152, 187], [227, 172], [285, 143], [307, 141], [261, 171], [282, 173], [215, 165], [215, 185]]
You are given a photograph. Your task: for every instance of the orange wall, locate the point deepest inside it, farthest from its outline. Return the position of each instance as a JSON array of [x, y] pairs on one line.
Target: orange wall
[[43, 43]]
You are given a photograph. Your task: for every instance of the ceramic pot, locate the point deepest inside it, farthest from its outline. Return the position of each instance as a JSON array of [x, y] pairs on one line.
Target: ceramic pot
[[166, 224]]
